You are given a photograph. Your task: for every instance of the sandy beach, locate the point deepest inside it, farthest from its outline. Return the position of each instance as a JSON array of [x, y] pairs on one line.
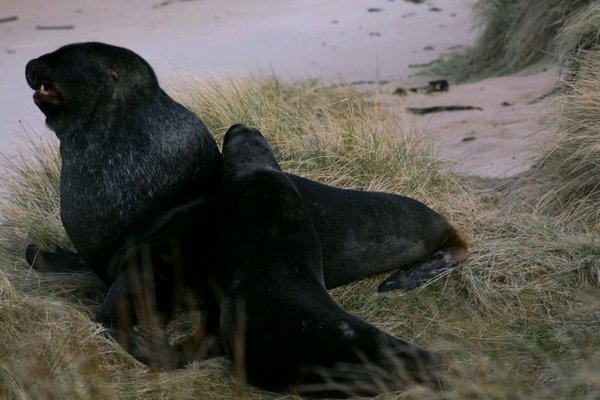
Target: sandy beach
[[500, 135], [296, 40], [364, 40]]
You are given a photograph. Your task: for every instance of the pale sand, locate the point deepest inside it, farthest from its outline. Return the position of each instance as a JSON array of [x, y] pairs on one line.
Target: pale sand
[[498, 141], [295, 40]]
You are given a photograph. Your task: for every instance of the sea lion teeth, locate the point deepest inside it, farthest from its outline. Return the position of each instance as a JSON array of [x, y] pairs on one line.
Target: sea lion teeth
[[47, 90]]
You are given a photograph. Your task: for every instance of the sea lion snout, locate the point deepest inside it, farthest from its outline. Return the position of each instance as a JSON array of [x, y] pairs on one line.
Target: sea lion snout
[[240, 129], [37, 72], [241, 132], [38, 75], [254, 149]]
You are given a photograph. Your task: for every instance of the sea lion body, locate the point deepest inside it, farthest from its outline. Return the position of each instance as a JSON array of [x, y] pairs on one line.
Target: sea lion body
[[134, 164], [279, 325], [129, 152], [133, 160], [365, 233]]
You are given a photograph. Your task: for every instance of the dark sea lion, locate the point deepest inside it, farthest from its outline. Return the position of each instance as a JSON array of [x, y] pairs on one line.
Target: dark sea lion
[[130, 154], [128, 150], [366, 233], [160, 271], [144, 141], [279, 325]]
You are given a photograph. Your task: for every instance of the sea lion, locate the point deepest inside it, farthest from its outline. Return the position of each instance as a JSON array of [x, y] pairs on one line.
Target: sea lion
[[279, 325], [172, 158], [364, 233], [128, 150], [130, 154]]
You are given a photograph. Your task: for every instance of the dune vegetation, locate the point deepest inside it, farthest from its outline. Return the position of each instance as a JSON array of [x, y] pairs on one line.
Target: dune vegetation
[[569, 171], [514, 34], [518, 320]]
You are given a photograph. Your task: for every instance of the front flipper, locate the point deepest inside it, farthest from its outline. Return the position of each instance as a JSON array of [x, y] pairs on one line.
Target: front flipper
[[203, 345], [60, 261], [420, 273], [130, 316]]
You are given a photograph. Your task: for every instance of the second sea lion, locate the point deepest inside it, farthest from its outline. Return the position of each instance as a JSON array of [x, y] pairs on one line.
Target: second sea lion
[[279, 325]]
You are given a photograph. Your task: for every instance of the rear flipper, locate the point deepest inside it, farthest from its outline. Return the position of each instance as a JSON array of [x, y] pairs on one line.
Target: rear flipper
[[420, 273], [60, 261], [396, 369]]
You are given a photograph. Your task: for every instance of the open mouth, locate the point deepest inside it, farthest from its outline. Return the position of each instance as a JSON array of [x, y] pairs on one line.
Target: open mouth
[[46, 92], [38, 76]]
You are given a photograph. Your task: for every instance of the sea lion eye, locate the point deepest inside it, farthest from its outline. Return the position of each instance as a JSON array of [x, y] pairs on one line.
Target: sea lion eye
[[114, 74]]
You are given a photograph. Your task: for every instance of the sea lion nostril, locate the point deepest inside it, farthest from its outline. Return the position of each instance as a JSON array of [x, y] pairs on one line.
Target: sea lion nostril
[[33, 72], [28, 73], [37, 72]]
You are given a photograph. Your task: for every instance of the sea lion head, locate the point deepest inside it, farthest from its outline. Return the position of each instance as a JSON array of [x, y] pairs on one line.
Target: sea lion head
[[85, 82], [253, 151]]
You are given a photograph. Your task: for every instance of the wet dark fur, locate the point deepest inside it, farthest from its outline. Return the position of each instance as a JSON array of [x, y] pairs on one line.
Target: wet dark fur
[[130, 154], [128, 150], [279, 325], [133, 160]]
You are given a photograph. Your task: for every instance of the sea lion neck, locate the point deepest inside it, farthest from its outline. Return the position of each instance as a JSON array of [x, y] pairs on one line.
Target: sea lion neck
[[125, 123]]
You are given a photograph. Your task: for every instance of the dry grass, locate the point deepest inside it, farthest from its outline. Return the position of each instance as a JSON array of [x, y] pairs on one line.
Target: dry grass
[[517, 33], [580, 32], [519, 319], [334, 136], [568, 176]]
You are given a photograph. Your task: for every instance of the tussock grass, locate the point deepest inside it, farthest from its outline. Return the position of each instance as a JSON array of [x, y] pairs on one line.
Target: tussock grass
[[514, 34], [580, 32], [519, 319], [334, 136], [569, 173]]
